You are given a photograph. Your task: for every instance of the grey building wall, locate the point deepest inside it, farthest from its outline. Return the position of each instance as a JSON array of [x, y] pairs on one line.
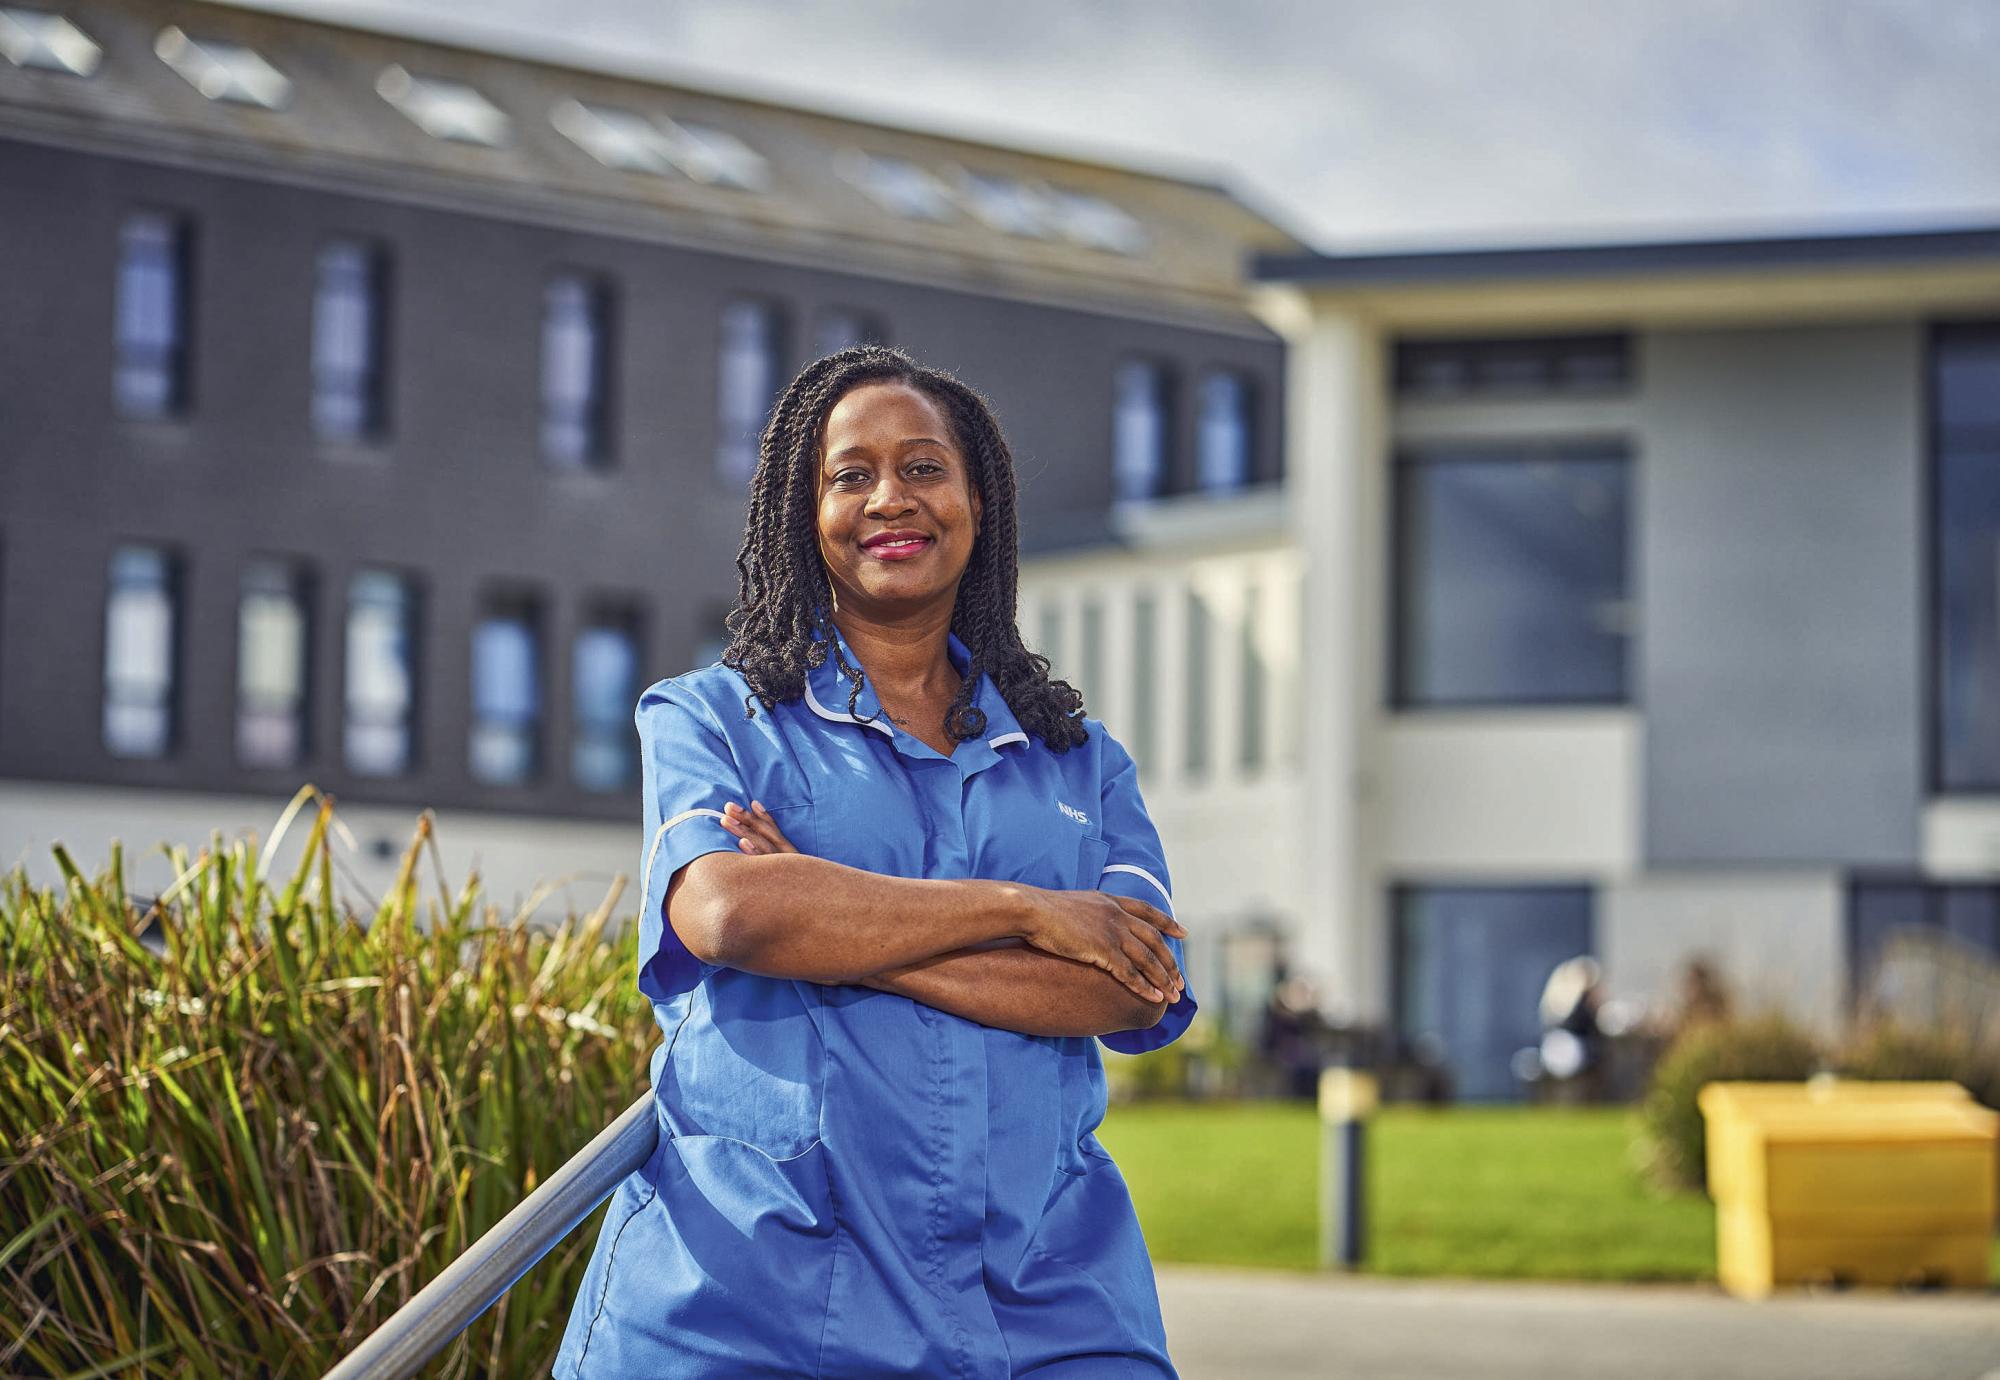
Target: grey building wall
[[1781, 593], [459, 494]]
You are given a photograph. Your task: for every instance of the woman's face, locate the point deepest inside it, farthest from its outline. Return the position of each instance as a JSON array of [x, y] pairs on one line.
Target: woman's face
[[891, 468]]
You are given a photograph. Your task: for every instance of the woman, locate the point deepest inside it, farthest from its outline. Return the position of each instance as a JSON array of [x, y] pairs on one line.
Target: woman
[[897, 887]]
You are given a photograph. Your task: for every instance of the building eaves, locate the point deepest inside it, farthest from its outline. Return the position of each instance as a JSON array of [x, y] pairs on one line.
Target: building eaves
[[1655, 257]]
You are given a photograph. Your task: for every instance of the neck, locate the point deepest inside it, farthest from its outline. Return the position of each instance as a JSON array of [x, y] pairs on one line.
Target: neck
[[906, 658]]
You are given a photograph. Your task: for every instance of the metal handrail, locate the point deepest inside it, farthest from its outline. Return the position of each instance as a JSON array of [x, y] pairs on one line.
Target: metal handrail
[[475, 1281]]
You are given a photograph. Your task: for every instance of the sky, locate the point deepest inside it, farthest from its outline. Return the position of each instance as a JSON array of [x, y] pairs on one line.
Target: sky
[[1364, 124]]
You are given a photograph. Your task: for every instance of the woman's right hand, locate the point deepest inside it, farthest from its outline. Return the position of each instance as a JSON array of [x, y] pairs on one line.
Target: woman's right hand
[[1116, 933]]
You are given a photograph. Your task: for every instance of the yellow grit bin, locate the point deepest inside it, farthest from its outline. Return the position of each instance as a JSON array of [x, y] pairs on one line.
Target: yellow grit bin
[[1849, 1182]]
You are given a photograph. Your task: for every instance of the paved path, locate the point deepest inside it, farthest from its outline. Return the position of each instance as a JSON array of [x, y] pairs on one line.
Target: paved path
[[1278, 1326]]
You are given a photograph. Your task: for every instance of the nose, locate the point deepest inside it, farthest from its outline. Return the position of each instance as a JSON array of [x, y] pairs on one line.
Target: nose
[[889, 498]]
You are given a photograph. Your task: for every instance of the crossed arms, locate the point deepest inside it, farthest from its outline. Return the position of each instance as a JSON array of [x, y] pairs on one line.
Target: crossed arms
[[1003, 954]]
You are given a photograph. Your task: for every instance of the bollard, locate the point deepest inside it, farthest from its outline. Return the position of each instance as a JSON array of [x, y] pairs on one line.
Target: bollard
[[1347, 1098]]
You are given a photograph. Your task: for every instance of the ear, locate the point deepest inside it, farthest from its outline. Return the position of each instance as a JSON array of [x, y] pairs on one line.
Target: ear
[[978, 508]]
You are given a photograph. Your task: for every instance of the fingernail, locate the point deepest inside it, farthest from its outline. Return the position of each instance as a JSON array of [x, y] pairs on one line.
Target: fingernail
[[759, 806], [1158, 995]]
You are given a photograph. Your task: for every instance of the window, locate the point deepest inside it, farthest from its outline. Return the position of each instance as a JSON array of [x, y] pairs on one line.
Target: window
[[1222, 436], [840, 328], [1511, 582], [1007, 204], [1879, 911], [1536, 366], [747, 373], [1095, 223], [380, 691], [141, 632], [1091, 634], [272, 635], [1965, 430], [1250, 723], [349, 308], [1145, 679], [617, 138], [35, 38], [223, 71], [1199, 683], [1470, 964], [506, 692], [604, 677], [1139, 430], [715, 156], [898, 185], [576, 330], [151, 376], [444, 109]]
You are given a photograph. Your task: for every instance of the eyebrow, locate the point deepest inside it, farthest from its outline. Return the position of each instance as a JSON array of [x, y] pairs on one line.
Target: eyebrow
[[907, 441]]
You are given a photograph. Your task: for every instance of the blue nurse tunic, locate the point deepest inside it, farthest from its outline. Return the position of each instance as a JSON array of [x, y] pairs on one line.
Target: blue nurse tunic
[[849, 1182]]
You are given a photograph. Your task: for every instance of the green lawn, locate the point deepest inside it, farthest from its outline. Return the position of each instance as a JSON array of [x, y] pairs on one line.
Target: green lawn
[[1507, 1192]]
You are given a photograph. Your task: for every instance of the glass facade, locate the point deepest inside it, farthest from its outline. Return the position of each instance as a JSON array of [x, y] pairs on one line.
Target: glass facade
[[272, 637], [380, 675], [1512, 576], [1470, 963], [141, 633], [150, 378], [347, 344], [1965, 431]]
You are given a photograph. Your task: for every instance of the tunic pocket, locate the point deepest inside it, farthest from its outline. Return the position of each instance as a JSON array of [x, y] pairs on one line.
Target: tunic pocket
[[748, 1065]]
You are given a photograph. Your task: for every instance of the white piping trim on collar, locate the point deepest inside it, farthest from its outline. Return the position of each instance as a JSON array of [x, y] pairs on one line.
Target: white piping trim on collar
[[659, 837], [839, 718], [1141, 872], [1006, 738]]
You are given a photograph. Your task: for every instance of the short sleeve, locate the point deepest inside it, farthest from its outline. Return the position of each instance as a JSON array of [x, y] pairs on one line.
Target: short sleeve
[[687, 773], [1136, 866]]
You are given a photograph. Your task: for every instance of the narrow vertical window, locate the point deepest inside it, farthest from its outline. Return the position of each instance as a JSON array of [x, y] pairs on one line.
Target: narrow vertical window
[[605, 680], [576, 331], [141, 628], [506, 692], [380, 690], [1145, 679], [1091, 632], [1048, 635], [747, 377], [1222, 459], [1251, 727], [150, 380], [272, 623], [1139, 430], [348, 343], [1200, 634], [1965, 517]]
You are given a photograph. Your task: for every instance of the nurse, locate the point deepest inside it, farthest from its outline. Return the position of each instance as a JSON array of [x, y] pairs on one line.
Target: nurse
[[898, 889]]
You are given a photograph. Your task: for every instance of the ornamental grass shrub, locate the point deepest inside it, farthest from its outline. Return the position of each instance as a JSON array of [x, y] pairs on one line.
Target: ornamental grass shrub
[[1765, 1048], [240, 1155]]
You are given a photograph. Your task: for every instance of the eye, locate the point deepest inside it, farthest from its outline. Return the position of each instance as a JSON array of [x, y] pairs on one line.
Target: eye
[[923, 465], [844, 475]]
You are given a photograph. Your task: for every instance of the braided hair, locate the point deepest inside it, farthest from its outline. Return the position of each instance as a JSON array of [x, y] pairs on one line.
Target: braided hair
[[782, 625]]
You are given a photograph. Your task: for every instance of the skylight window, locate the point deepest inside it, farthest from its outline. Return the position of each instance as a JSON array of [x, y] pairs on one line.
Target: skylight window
[[223, 71], [898, 185], [442, 108], [1008, 204], [715, 156], [614, 137], [1097, 224], [35, 38]]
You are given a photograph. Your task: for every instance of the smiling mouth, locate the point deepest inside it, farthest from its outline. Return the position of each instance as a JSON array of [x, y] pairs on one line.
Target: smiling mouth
[[894, 550]]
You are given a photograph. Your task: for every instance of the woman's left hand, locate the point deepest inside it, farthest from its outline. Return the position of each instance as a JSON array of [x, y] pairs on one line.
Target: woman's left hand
[[756, 832]]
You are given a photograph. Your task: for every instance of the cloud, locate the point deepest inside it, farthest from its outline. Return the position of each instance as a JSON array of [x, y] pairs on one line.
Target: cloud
[[1433, 120]]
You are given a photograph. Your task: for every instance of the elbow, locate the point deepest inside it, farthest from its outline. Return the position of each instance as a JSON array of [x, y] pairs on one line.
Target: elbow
[[704, 912], [1144, 1015]]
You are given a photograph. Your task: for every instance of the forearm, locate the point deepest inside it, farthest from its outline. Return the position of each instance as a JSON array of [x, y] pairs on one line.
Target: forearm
[[1022, 989], [793, 915]]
